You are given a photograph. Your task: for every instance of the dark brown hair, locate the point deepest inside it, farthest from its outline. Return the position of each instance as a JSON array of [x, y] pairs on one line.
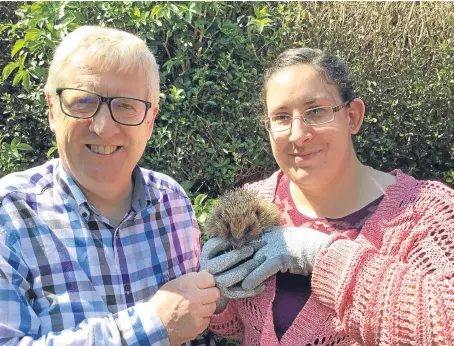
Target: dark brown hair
[[333, 70]]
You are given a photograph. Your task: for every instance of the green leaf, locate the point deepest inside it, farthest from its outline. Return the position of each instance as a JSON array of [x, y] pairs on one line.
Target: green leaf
[[18, 77], [136, 12], [26, 80], [51, 151], [156, 11], [4, 27], [199, 199], [32, 35], [187, 185], [22, 60], [8, 69], [40, 71], [17, 47], [36, 6], [24, 147]]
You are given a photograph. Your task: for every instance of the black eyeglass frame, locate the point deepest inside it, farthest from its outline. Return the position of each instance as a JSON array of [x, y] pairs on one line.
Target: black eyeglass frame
[[107, 100], [335, 110]]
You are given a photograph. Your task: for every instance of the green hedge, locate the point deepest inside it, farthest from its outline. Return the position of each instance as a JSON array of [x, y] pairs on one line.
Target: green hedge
[[212, 57]]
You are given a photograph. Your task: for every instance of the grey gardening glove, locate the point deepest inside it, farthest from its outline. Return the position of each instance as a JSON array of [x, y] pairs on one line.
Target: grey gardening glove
[[283, 249], [222, 264]]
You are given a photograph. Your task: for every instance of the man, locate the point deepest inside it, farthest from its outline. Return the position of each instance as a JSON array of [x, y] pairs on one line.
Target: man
[[94, 249]]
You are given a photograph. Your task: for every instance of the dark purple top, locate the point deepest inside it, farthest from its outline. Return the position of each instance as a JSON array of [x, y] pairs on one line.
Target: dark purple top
[[293, 291]]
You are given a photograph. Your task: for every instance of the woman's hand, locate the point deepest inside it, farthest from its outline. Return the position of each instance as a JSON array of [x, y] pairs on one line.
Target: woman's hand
[[228, 273], [283, 249]]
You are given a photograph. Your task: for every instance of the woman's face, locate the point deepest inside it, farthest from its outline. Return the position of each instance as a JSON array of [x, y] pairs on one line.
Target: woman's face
[[311, 156]]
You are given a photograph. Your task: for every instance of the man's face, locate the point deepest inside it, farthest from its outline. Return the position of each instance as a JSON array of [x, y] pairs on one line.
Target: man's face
[[99, 153]]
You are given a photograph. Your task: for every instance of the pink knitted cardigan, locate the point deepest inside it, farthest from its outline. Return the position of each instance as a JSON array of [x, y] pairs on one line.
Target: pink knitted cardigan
[[392, 285]]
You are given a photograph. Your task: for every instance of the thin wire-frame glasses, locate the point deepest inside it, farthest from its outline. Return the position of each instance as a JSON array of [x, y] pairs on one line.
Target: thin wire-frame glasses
[[82, 104], [312, 117]]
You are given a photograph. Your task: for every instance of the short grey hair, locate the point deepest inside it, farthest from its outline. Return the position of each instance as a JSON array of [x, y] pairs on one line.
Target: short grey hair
[[108, 50], [333, 70]]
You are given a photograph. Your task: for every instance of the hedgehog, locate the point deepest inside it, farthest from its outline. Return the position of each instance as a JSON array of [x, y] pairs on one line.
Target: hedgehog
[[240, 216]]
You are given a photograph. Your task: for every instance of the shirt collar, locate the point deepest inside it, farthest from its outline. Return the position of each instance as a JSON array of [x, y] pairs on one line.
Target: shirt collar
[[69, 190], [141, 197]]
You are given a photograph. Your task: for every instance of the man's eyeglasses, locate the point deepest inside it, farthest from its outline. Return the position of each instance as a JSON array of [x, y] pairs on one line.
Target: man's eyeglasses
[[312, 117], [83, 104]]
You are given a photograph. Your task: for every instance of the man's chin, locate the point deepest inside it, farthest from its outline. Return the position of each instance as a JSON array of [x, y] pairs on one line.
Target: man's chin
[[101, 181]]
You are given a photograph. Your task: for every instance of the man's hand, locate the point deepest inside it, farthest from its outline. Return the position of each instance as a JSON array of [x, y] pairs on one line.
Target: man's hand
[[185, 305]]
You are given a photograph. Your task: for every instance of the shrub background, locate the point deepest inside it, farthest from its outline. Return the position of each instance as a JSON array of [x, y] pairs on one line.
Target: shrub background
[[208, 134]]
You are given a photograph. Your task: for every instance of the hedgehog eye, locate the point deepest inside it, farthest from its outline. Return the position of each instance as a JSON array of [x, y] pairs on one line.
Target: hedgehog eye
[[247, 230], [219, 216], [257, 213]]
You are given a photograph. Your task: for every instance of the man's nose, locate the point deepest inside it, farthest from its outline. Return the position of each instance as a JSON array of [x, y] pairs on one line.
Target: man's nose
[[103, 124]]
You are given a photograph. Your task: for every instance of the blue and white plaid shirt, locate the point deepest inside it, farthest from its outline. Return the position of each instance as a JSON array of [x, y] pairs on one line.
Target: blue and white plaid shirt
[[67, 276]]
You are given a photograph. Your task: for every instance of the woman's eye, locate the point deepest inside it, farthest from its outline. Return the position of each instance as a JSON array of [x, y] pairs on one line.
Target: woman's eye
[[280, 117], [314, 111]]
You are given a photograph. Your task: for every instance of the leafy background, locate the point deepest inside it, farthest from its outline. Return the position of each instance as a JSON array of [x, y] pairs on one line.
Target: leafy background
[[209, 133], [213, 55]]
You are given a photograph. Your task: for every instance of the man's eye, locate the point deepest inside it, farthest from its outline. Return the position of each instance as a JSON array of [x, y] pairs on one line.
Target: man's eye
[[124, 106], [84, 101]]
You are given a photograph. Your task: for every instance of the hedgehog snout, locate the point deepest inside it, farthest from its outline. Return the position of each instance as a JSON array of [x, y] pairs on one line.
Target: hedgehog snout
[[237, 243]]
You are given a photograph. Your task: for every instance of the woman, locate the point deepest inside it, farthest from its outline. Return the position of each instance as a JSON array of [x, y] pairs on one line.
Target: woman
[[379, 246]]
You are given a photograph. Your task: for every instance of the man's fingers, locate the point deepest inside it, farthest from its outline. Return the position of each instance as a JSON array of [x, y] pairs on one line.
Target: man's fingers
[[206, 310], [209, 295], [205, 279], [236, 274]]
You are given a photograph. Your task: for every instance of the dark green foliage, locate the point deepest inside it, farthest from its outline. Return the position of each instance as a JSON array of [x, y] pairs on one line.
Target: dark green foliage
[[212, 57]]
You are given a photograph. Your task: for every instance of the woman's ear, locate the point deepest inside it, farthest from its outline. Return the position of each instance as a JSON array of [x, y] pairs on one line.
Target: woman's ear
[[355, 115]]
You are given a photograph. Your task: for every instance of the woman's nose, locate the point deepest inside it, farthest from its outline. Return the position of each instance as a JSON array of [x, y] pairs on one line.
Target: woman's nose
[[300, 131]]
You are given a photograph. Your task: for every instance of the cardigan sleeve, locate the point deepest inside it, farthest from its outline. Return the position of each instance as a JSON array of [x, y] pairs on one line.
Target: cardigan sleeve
[[227, 323], [402, 294]]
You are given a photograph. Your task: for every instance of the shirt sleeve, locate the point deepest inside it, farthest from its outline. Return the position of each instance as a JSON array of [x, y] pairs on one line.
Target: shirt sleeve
[[20, 325]]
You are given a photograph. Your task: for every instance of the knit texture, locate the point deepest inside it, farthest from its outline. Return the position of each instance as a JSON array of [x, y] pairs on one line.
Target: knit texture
[[391, 285]]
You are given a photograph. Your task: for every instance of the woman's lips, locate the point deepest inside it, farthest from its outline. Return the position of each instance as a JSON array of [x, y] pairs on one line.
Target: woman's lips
[[306, 156]]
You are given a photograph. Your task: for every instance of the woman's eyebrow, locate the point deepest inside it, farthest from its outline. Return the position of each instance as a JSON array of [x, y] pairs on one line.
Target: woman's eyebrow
[[302, 101]]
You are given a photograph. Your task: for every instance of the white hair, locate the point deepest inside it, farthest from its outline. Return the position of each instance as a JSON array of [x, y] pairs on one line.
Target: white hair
[[108, 50]]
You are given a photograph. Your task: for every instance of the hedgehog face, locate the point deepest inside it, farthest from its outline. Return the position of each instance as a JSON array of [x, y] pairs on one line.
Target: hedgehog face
[[243, 229], [240, 217]]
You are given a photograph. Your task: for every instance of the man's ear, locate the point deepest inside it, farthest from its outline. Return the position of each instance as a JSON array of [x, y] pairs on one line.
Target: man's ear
[[355, 115], [51, 112], [151, 117]]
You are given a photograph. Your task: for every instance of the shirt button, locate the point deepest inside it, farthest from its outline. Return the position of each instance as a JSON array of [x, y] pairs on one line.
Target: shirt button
[[127, 289], [117, 235], [84, 214]]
